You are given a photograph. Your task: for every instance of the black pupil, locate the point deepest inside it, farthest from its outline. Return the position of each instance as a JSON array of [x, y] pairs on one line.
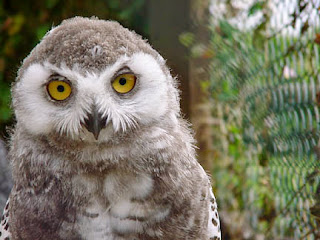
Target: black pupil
[[122, 81], [60, 88]]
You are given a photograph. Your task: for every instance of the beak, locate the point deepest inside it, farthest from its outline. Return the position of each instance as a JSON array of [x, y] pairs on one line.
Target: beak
[[95, 122]]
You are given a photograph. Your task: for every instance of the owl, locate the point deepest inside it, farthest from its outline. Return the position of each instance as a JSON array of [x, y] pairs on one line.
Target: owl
[[99, 149]]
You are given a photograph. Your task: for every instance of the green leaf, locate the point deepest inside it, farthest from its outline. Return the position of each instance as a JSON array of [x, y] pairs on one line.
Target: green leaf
[[18, 21], [257, 6], [259, 35], [51, 3], [42, 30], [5, 113], [227, 30], [186, 38]]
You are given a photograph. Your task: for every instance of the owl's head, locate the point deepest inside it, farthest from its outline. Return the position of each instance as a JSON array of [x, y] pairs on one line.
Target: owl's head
[[90, 79]]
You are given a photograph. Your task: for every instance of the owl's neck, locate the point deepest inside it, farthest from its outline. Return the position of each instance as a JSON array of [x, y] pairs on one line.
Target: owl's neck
[[142, 150]]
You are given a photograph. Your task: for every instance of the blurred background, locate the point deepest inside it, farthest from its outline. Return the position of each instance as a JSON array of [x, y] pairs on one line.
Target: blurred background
[[249, 75]]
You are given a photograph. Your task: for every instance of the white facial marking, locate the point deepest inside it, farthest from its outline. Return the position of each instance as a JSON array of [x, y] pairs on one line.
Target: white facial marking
[[152, 98], [147, 103], [96, 51], [30, 89]]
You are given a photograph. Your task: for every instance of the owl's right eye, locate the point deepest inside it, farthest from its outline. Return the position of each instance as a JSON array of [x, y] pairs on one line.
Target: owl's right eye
[[59, 90]]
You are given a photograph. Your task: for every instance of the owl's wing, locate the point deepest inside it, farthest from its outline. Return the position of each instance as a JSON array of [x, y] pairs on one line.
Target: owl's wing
[[4, 225], [213, 222]]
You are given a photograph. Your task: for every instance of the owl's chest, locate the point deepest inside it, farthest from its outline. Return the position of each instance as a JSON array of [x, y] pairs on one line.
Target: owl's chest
[[117, 205]]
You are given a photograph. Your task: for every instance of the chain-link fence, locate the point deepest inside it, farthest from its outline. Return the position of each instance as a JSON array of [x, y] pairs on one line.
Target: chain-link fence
[[266, 93]]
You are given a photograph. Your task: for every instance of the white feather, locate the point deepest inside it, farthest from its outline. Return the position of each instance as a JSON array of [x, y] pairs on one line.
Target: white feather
[[40, 115]]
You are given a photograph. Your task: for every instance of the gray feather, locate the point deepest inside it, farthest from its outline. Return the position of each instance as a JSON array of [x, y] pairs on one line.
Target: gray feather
[[138, 178], [5, 176]]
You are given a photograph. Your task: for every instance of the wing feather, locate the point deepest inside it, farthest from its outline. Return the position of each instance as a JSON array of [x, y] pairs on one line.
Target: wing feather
[[213, 222], [5, 225]]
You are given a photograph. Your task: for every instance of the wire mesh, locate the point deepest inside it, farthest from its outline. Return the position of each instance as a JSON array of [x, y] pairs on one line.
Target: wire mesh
[[269, 75]]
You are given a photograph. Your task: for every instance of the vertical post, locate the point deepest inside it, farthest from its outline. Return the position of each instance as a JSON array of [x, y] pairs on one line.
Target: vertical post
[[198, 73], [167, 20]]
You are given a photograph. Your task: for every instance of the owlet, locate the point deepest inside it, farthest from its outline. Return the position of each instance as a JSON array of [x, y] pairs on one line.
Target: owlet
[[99, 149]]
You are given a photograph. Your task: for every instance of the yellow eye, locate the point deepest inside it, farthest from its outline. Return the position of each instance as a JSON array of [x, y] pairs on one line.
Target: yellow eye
[[124, 83], [59, 90]]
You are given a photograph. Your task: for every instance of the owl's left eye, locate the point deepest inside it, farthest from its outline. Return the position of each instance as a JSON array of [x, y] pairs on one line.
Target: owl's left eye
[[124, 83], [59, 90]]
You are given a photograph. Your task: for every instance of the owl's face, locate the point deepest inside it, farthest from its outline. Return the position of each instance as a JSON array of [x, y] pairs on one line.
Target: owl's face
[[94, 96]]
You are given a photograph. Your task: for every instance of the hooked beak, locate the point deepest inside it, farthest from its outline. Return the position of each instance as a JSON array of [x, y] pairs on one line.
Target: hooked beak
[[95, 122]]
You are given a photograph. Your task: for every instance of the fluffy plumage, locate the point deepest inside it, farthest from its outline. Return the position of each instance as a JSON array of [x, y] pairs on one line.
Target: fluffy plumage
[[5, 176], [137, 178]]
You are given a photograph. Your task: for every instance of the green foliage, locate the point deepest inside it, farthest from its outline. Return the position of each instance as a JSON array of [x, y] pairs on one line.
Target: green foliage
[[187, 39], [265, 91], [256, 7], [23, 26]]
